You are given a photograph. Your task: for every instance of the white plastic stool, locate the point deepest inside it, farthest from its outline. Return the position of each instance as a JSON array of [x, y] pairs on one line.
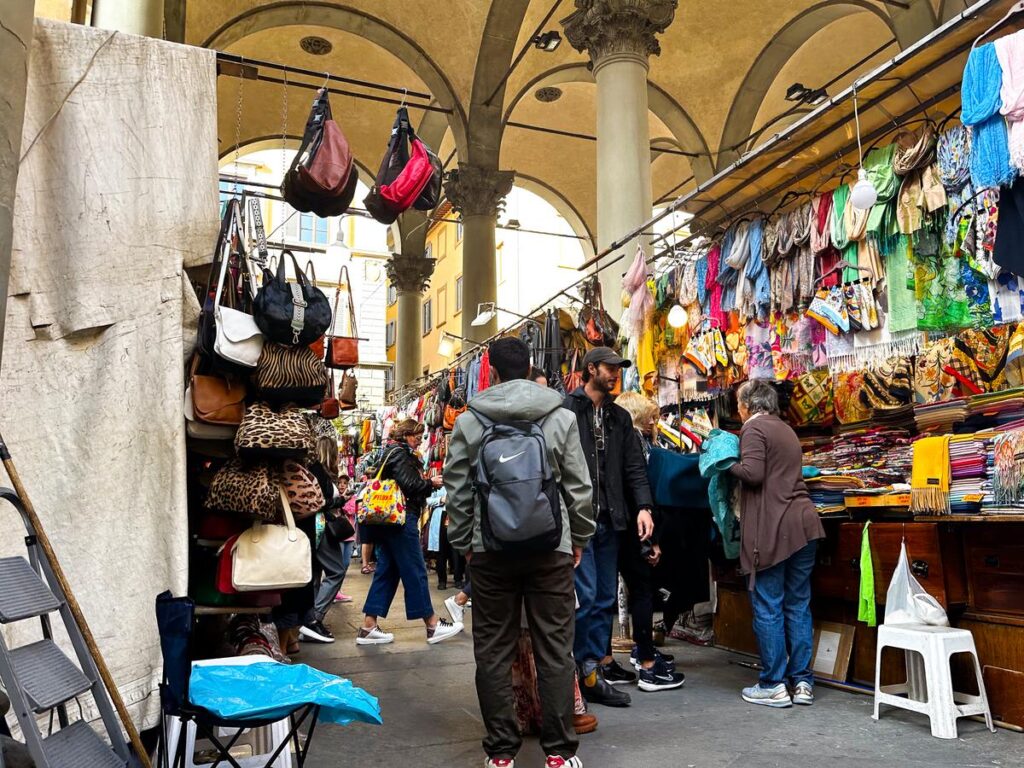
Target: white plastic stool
[[263, 741], [929, 686]]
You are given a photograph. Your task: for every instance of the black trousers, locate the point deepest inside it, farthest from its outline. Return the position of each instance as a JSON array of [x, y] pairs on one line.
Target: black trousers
[[685, 539], [639, 578], [502, 585]]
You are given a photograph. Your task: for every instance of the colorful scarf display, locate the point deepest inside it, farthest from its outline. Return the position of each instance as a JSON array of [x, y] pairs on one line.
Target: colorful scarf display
[[980, 96]]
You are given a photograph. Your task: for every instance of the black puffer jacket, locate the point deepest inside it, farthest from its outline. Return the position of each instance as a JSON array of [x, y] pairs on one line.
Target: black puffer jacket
[[625, 477]]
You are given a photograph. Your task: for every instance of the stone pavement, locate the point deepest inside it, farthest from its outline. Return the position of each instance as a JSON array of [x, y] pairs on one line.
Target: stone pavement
[[431, 717]]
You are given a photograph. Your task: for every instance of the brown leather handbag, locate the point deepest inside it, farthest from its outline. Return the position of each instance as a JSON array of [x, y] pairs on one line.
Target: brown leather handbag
[[249, 491], [343, 351], [330, 408], [216, 399], [347, 392]]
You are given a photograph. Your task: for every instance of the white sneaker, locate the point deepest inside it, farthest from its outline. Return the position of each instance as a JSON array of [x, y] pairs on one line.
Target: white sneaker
[[554, 761], [499, 762], [375, 636], [442, 631], [776, 696], [803, 694], [455, 610]]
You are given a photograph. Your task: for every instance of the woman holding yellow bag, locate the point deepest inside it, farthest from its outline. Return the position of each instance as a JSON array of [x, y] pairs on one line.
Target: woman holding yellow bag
[[388, 517]]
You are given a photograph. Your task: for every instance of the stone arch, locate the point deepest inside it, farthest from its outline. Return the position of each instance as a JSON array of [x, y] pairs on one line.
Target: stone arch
[[773, 58], [565, 208], [688, 136], [356, 22]]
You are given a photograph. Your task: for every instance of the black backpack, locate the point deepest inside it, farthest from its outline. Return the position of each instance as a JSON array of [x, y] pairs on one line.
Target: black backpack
[[520, 507]]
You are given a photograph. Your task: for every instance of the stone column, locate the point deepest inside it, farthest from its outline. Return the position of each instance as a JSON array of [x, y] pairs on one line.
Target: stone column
[[410, 274], [137, 17], [620, 36], [478, 194], [15, 44]]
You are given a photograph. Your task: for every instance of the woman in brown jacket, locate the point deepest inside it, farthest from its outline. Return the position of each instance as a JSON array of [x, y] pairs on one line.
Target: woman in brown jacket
[[779, 532]]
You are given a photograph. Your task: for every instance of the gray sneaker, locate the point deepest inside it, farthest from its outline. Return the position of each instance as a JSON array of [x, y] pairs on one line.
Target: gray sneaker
[[777, 696], [803, 694]]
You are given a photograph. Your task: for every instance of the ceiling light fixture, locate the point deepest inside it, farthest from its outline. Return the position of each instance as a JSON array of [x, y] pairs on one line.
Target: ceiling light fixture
[[547, 41], [513, 224], [677, 316], [864, 195]]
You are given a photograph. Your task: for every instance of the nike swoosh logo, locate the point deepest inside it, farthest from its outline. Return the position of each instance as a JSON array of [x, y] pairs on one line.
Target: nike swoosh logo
[[503, 459]]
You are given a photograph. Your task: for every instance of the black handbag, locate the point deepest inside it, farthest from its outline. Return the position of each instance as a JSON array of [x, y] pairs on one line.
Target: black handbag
[[340, 528], [296, 314]]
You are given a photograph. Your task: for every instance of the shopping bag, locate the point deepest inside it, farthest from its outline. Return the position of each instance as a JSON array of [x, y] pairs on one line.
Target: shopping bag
[[907, 602]]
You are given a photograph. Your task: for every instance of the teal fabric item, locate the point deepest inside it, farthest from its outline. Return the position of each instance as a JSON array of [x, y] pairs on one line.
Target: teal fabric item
[[675, 479], [719, 452], [271, 691], [809, 472]]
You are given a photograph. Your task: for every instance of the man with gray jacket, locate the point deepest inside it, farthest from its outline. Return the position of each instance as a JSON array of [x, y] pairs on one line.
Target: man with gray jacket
[[539, 576]]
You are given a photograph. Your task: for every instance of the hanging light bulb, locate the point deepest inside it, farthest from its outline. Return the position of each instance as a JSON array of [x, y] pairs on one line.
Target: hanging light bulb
[[864, 195], [677, 316]]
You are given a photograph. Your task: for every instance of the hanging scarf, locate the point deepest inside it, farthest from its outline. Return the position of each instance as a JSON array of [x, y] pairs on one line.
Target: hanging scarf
[[701, 275], [913, 149], [727, 276], [785, 230], [713, 287], [803, 218], [902, 313], [737, 259], [641, 300], [878, 165], [954, 156], [929, 479], [769, 252], [1010, 52], [821, 230], [990, 150], [840, 197], [856, 221], [756, 271]]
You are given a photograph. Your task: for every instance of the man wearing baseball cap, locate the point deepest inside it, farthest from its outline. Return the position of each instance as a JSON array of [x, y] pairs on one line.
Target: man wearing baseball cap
[[622, 501]]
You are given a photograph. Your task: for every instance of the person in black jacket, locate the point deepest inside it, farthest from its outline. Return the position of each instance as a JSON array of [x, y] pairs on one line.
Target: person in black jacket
[[399, 556], [622, 504]]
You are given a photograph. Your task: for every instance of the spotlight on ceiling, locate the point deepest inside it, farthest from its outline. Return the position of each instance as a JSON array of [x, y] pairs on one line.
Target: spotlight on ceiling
[[548, 41], [801, 94], [315, 45]]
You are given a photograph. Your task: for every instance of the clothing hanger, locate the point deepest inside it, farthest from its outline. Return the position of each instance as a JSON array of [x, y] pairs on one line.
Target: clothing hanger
[[1014, 9], [946, 120], [841, 265], [965, 203]]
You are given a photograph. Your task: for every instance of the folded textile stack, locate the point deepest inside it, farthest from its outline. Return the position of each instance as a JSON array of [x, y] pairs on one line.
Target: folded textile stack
[[878, 457], [940, 417], [997, 409], [826, 491], [899, 417], [968, 463]]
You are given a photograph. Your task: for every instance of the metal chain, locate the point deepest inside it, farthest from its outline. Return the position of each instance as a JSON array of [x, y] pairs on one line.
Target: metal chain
[[238, 126], [284, 127]]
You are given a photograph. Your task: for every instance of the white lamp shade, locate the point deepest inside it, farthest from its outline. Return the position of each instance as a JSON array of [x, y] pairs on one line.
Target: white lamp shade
[[677, 316], [864, 194], [445, 347], [485, 313]]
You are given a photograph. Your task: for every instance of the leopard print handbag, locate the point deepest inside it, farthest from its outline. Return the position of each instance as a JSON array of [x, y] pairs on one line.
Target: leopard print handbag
[[291, 375], [304, 493], [265, 433], [246, 491]]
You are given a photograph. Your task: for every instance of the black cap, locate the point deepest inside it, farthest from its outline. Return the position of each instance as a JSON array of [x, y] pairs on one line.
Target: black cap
[[604, 355]]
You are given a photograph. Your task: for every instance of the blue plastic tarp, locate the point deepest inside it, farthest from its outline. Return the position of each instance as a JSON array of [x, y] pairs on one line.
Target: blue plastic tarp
[[271, 691]]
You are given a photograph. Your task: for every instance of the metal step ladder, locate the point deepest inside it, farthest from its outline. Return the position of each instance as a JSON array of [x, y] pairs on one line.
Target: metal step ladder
[[39, 678]]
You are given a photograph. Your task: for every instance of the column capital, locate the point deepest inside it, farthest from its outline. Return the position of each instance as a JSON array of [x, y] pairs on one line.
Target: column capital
[[605, 28], [476, 191], [409, 274]]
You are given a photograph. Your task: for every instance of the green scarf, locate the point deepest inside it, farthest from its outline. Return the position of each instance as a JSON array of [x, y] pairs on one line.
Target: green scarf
[[838, 224], [866, 604], [878, 165], [898, 276]]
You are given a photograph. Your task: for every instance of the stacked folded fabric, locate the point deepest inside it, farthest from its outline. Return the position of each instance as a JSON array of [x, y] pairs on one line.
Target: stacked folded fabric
[[968, 463], [826, 491], [996, 409], [940, 417]]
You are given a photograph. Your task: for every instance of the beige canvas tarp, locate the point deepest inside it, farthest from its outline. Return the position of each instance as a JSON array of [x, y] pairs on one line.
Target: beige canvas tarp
[[117, 191]]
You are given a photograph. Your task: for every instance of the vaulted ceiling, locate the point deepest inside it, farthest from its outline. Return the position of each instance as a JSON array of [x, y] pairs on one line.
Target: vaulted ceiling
[[722, 76]]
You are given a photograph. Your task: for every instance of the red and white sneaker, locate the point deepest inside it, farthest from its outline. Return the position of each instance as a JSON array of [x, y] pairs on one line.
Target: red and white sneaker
[[499, 762], [554, 761]]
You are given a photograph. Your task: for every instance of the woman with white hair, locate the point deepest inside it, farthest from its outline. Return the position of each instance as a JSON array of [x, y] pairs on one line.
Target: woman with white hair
[[779, 532]]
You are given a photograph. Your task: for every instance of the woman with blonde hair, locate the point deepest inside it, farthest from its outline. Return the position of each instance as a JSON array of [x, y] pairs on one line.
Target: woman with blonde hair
[[399, 555]]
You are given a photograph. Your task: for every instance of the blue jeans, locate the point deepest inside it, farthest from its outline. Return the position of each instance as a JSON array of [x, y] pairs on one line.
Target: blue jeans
[[781, 599], [400, 558], [597, 587]]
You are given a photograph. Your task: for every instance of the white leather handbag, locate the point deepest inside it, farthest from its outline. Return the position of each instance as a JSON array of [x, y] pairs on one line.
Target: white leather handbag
[[239, 339], [269, 557]]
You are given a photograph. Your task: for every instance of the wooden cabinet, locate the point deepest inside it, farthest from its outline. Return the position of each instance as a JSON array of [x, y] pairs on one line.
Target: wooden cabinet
[[995, 567]]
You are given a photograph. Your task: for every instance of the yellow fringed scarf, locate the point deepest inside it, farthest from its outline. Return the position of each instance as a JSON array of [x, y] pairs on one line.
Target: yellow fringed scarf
[[929, 480]]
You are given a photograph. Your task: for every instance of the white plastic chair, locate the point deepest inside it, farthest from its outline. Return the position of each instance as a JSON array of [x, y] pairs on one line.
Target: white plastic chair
[[929, 686], [262, 741]]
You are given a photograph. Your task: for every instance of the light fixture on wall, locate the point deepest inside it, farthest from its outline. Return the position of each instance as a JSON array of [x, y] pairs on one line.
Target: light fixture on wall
[[547, 41], [487, 311], [864, 195], [513, 224], [446, 344]]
